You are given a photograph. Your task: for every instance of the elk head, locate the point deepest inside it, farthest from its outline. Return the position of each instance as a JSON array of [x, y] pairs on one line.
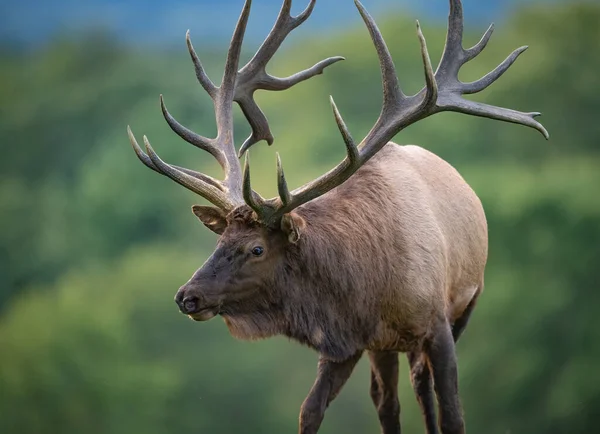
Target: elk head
[[240, 277], [256, 234]]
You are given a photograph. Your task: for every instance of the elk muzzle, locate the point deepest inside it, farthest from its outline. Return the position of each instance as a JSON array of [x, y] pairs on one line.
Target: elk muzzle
[[193, 306]]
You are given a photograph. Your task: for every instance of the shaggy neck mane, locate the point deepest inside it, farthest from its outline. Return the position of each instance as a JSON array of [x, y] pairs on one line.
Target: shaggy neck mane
[[318, 296], [325, 305]]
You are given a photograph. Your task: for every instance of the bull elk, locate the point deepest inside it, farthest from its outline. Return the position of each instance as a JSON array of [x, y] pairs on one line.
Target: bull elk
[[385, 253]]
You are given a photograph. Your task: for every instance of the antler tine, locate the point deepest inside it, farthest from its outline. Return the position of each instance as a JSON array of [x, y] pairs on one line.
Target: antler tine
[[191, 137], [273, 40], [392, 93], [201, 75], [148, 163], [487, 80], [282, 187], [497, 113], [233, 55], [305, 14], [252, 198], [454, 36], [473, 52], [253, 75], [431, 85], [214, 195], [351, 149]]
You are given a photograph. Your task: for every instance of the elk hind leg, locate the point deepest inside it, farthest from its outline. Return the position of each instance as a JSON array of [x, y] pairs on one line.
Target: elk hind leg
[[441, 352], [384, 389], [422, 382], [420, 372]]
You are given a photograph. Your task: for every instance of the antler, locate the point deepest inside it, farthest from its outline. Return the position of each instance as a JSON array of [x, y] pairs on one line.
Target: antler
[[238, 86], [442, 92]]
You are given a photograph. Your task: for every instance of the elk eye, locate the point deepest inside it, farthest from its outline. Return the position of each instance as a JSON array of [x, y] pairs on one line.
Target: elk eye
[[257, 251]]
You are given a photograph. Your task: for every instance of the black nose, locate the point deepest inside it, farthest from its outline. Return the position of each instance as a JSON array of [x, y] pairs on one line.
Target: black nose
[[188, 305]]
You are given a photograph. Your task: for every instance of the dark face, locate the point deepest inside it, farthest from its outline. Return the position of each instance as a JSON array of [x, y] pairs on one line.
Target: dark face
[[239, 275]]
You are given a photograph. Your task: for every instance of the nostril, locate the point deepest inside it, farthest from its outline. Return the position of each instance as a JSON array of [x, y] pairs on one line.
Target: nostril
[[190, 304], [179, 298]]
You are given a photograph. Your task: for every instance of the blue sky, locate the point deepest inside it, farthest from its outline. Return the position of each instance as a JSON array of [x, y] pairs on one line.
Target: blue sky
[[165, 21]]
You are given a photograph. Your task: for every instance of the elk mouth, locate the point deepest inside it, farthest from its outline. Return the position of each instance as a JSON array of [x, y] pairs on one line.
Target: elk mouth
[[205, 314]]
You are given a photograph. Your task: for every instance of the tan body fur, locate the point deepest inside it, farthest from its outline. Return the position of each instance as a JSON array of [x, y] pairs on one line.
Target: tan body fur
[[435, 229], [382, 258], [417, 231]]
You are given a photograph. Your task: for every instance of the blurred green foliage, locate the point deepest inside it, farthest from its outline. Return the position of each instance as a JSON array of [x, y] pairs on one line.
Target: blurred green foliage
[[94, 245]]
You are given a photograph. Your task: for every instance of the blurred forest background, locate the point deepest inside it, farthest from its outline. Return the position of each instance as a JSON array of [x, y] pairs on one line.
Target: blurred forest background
[[94, 245]]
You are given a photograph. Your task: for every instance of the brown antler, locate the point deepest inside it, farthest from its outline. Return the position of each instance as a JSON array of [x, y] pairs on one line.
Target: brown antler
[[238, 86], [443, 92]]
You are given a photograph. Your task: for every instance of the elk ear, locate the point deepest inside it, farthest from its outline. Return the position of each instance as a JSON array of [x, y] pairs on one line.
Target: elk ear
[[213, 218], [293, 225]]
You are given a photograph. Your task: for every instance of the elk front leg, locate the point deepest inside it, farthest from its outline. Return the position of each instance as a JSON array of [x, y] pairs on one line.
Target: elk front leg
[[442, 358], [331, 377], [420, 376], [384, 389]]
